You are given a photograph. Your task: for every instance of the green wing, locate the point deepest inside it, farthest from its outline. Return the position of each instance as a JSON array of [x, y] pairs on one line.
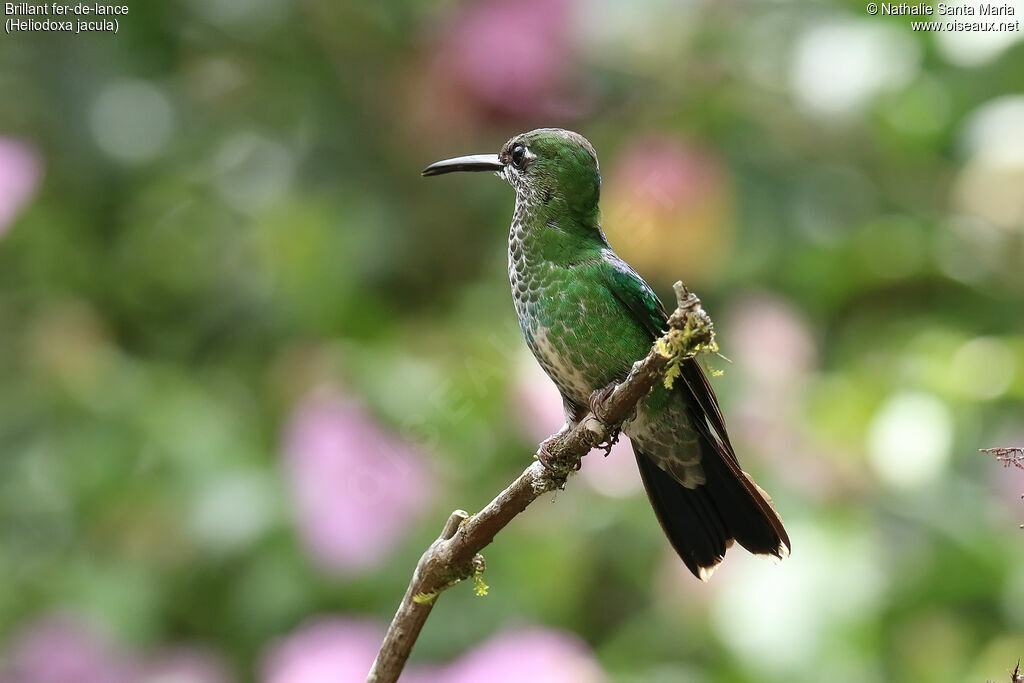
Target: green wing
[[629, 288]]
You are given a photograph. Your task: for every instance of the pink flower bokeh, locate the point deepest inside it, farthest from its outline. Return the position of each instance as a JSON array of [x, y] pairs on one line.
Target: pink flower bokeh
[[666, 172], [775, 352], [510, 57], [59, 647], [355, 486], [65, 647], [186, 664], [772, 341], [20, 172], [537, 655], [329, 650], [669, 207], [342, 649]]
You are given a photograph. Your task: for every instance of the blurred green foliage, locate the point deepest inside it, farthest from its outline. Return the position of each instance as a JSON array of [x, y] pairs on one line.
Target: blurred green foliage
[[230, 215]]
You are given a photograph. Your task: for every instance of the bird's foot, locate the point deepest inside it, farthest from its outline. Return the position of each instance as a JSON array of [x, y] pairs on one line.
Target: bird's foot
[[613, 438], [554, 462], [598, 399], [597, 402]]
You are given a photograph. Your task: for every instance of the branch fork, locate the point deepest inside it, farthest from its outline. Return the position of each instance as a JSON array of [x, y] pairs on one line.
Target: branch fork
[[454, 556]]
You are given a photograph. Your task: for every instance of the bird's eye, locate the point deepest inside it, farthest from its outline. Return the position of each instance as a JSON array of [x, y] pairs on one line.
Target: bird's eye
[[518, 156]]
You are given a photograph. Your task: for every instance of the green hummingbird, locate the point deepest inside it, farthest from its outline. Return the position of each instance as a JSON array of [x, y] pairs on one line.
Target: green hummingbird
[[587, 316]]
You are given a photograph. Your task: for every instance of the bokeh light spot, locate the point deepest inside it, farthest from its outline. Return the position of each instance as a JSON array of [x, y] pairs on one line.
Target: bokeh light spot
[[131, 120], [909, 440], [838, 68], [253, 171], [976, 48], [983, 368]]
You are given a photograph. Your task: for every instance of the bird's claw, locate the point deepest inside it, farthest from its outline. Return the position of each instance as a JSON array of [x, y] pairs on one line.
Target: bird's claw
[[553, 462], [613, 438], [544, 455], [597, 401]]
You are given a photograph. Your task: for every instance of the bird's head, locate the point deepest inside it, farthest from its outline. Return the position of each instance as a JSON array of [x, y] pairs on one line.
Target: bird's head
[[547, 166]]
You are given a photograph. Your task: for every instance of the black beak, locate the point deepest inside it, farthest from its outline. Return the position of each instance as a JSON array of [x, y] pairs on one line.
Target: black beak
[[473, 162]]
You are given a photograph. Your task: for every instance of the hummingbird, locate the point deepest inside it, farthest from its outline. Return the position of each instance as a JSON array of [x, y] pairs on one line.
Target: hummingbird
[[587, 316]]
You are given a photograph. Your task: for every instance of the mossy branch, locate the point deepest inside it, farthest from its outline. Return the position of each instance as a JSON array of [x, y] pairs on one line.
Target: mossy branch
[[454, 556]]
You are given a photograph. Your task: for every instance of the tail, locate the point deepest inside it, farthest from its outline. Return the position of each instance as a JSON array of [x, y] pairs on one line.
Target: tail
[[702, 522]]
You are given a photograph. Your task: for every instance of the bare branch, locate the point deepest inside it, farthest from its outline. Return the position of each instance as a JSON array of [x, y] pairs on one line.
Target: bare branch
[[1007, 456], [455, 557]]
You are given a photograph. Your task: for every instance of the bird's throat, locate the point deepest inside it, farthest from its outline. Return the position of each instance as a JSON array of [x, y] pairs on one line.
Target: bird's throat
[[547, 233]]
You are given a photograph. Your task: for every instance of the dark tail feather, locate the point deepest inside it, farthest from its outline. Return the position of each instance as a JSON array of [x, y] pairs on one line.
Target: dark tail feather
[[702, 522]]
